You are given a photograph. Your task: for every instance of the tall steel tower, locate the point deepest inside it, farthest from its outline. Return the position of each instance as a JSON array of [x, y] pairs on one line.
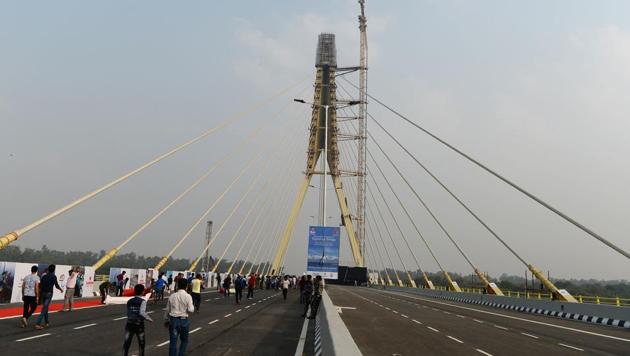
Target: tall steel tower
[[362, 120], [325, 106]]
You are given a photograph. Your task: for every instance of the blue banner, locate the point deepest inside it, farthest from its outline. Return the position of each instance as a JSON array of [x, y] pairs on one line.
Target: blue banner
[[323, 251]]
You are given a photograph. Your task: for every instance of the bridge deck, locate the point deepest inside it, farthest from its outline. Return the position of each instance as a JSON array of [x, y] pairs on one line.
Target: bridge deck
[[388, 323], [266, 325]]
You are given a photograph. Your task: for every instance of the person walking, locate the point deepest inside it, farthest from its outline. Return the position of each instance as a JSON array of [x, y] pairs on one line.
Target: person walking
[[176, 320], [160, 285], [251, 284], [68, 298], [46, 284], [301, 285], [318, 289], [218, 281], [120, 282], [307, 292], [195, 291], [227, 283], [136, 315], [239, 283], [285, 287], [30, 295]]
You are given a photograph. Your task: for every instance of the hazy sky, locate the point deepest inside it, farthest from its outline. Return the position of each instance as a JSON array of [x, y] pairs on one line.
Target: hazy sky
[[536, 90]]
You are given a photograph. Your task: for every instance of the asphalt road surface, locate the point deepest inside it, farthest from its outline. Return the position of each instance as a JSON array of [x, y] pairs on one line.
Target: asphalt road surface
[[397, 323], [266, 325]]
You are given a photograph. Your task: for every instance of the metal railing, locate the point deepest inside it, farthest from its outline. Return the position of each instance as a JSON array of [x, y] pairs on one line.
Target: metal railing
[[585, 299]]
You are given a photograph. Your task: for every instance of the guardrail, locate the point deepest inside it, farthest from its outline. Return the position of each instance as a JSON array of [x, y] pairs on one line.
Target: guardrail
[[585, 299], [335, 337]]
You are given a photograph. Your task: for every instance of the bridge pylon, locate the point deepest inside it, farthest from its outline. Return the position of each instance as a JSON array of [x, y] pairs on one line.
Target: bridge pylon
[[324, 99]]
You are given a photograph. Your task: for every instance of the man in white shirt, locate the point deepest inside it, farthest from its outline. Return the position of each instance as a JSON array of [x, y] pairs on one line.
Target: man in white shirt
[[68, 298], [30, 294], [176, 320]]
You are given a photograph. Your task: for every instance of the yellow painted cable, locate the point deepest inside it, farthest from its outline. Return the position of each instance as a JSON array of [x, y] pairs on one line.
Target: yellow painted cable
[[18, 233], [162, 262], [236, 207]]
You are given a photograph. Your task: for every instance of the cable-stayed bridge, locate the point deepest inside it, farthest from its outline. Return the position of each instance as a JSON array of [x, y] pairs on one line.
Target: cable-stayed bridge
[[408, 301]]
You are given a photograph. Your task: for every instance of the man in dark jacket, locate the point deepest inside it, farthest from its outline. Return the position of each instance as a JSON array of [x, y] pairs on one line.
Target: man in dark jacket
[[136, 315]]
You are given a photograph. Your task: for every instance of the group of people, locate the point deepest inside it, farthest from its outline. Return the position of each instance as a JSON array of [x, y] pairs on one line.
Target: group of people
[[311, 293], [39, 290], [185, 298]]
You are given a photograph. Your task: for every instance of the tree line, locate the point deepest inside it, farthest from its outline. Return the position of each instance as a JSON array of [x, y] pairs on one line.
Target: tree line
[[88, 258]]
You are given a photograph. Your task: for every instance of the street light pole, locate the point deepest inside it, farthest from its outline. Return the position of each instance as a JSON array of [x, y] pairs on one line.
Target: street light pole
[[324, 159]]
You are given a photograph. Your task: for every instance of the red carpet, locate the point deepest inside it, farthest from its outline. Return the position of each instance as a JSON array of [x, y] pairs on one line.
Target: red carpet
[[78, 304]]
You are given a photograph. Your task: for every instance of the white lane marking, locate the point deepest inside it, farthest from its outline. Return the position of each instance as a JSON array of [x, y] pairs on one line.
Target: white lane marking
[[501, 327], [434, 329], [84, 326], [454, 339], [217, 298], [516, 318], [434, 309], [207, 300], [483, 352], [387, 308], [479, 321], [121, 318], [530, 335], [395, 312], [213, 321], [299, 350], [416, 321], [404, 316], [164, 343], [32, 337], [195, 330], [152, 311], [571, 347], [226, 315], [238, 311], [460, 316], [247, 307], [447, 313]]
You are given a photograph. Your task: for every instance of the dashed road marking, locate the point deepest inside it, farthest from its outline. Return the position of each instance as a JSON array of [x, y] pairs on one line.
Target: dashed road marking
[[416, 321], [460, 316], [404, 316], [32, 337], [479, 321], [434, 329], [164, 343], [395, 312], [207, 300], [213, 321], [571, 347], [226, 315], [483, 352], [454, 339], [195, 330], [247, 306], [84, 326], [530, 335], [121, 318], [501, 327], [238, 311]]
